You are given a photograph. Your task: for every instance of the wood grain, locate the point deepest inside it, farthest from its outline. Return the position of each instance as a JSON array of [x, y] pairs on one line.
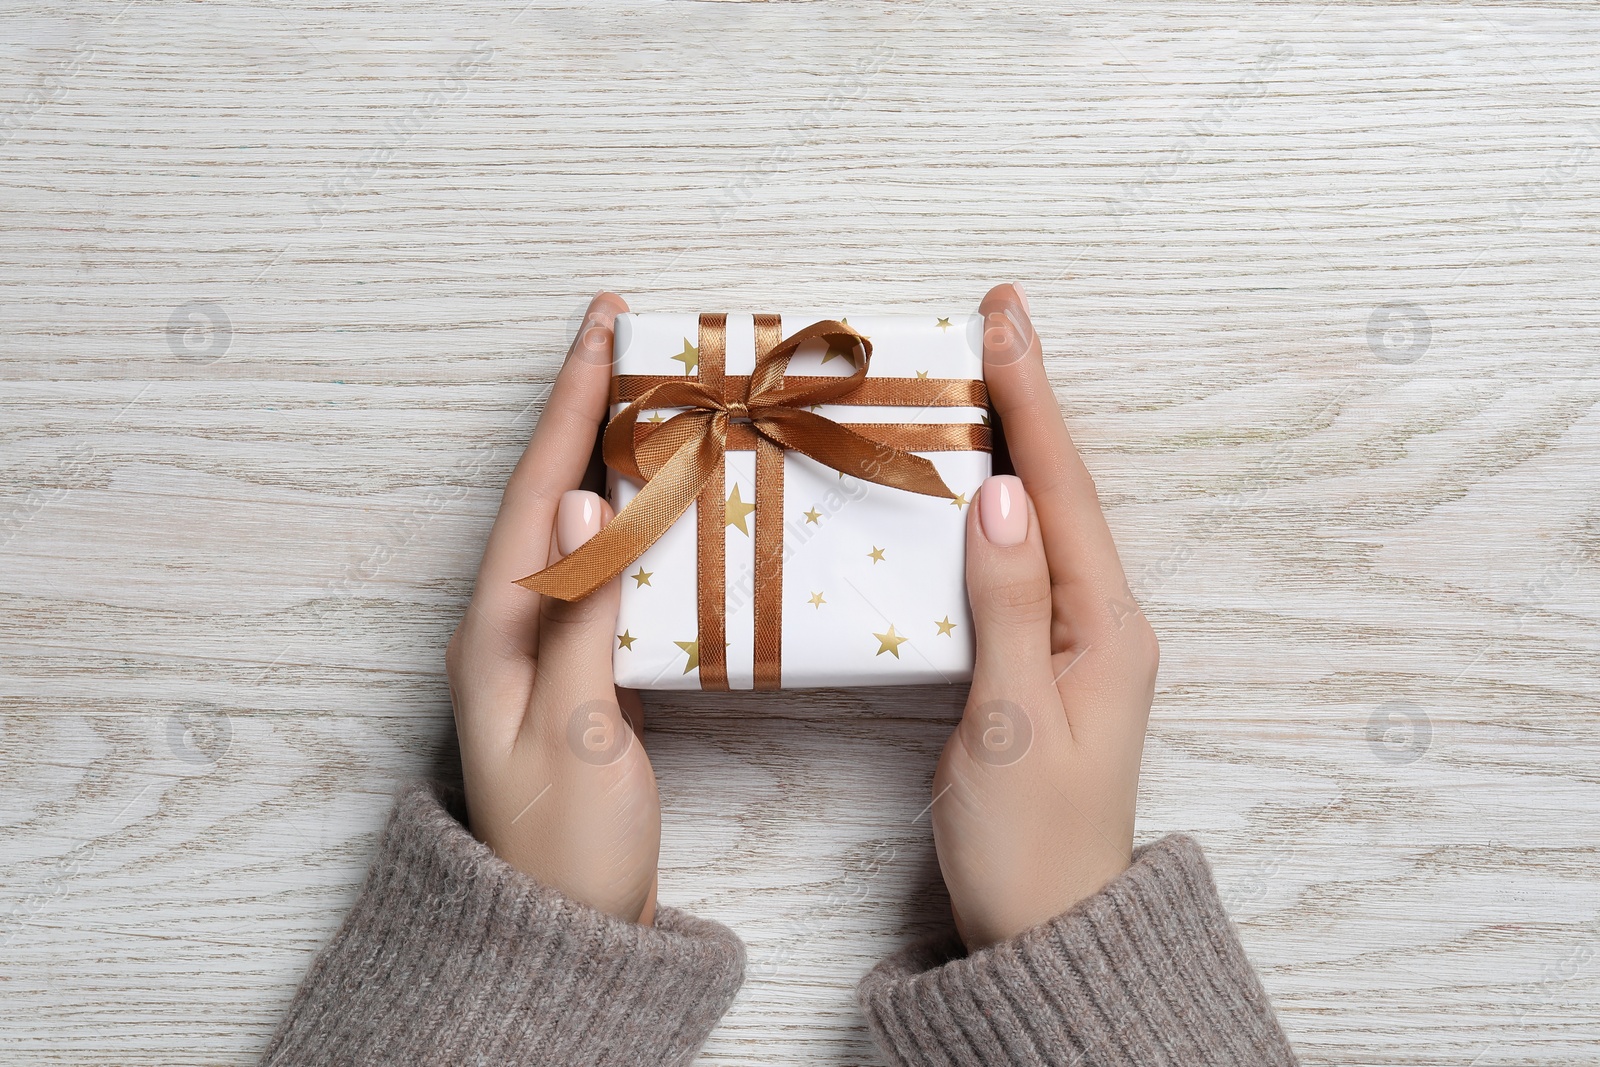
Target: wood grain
[[282, 289]]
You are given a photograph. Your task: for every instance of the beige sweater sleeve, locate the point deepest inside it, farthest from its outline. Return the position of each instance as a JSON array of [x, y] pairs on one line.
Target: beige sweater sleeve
[[1148, 972], [450, 956]]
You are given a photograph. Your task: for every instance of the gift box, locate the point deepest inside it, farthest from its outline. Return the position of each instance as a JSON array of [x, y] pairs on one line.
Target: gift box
[[791, 495]]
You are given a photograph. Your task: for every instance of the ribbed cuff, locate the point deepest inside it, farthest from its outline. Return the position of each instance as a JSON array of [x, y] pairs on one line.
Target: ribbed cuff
[[450, 956], [1148, 971]]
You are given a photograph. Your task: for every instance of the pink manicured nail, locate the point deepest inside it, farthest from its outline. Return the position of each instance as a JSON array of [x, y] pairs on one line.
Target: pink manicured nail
[[1024, 331], [1003, 510], [577, 519], [1022, 295]]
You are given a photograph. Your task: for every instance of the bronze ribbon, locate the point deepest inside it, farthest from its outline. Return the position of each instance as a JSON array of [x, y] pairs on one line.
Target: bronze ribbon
[[769, 533], [711, 560], [681, 462]]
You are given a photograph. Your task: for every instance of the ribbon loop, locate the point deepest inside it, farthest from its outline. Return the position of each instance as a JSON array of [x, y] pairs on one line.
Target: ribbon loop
[[678, 459]]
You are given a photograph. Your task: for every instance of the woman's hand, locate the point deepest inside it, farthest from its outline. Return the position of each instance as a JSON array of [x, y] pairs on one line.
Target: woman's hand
[[1034, 794], [558, 784]]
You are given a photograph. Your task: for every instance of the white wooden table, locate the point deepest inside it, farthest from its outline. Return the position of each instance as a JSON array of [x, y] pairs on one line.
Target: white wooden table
[[1320, 289]]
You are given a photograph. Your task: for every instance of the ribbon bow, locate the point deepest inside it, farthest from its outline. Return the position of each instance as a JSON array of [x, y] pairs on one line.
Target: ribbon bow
[[680, 457]]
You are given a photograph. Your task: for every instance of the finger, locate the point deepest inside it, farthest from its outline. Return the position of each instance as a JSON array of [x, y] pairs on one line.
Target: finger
[[576, 637], [553, 463], [493, 697], [1084, 568], [1008, 584], [632, 710]]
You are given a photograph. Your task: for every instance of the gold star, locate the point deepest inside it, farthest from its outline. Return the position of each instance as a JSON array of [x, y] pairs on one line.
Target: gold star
[[960, 501], [985, 419], [655, 416], [816, 600], [693, 649], [922, 374], [876, 554], [890, 642], [845, 349], [943, 324], [813, 515], [626, 640], [689, 357], [642, 578], [737, 511], [944, 627]]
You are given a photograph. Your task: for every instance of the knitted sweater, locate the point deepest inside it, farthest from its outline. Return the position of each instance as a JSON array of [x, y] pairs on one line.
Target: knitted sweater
[[450, 956]]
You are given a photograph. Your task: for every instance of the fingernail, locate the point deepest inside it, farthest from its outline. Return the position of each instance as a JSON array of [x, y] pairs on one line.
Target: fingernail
[[577, 519], [1022, 295], [1003, 510], [1020, 323]]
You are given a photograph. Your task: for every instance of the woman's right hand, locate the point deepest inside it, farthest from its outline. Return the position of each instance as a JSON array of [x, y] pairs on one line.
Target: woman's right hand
[[1034, 794]]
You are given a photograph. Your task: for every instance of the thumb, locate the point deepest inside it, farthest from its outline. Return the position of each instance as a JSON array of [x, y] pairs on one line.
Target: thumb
[[1008, 583], [575, 637]]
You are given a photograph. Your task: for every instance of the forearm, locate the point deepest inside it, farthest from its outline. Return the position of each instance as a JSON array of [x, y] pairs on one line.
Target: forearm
[[1149, 971], [451, 956]]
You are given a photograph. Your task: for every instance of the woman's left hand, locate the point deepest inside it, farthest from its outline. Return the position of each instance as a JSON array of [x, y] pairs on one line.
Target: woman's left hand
[[557, 780]]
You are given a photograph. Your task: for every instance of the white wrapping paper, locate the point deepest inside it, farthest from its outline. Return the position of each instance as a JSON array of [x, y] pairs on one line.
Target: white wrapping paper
[[874, 578]]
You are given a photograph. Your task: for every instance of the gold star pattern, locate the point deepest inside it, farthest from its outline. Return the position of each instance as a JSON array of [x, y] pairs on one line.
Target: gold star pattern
[[876, 555], [960, 501], [689, 357], [813, 516], [626, 640], [642, 578], [944, 626], [846, 350], [655, 416], [943, 324], [985, 419], [890, 642], [737, 511], [693, 649], [922, 374], [816, 600]]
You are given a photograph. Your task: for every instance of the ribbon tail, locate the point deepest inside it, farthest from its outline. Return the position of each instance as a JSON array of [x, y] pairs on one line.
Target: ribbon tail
[[841, 448], [658, 505]]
